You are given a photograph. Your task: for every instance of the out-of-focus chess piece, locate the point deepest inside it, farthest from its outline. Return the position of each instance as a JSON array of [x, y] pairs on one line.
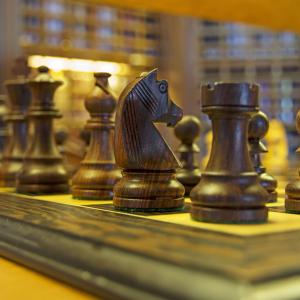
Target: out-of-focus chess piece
[[98, 172], [292, 190], [13, 154], [4, 131], [148, 164], [229, 190], [258, 127], [43, 171], [276, 160], [187, 131]]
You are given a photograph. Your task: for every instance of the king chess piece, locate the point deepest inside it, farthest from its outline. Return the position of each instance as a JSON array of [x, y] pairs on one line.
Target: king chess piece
[[149, 178], [187, 131], [43, 171], [258, 128], [98, 173], [292, 190], [229, 190], [13, 155]]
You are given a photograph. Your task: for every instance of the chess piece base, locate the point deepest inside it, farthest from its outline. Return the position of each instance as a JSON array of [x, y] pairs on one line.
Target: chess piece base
[[90, 194], [292, 200], [229, 215], [189, 179], [148, 191], [37, 189]]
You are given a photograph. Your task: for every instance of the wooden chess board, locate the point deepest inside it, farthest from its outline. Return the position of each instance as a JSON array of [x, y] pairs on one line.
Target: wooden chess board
[[151, 255]]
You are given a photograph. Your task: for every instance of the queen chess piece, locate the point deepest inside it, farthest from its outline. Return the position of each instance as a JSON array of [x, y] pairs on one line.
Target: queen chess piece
[[43, 171]]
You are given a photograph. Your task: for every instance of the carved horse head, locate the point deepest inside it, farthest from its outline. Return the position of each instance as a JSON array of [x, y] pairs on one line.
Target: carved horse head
[[138, 144]]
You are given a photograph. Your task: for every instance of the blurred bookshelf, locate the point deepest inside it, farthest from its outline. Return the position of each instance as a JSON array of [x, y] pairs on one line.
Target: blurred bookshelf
[[76, 38], [238, 52]]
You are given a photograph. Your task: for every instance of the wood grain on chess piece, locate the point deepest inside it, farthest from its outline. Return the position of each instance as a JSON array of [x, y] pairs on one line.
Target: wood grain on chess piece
[[229, 190], [149, 178], [98, 173], [258, 128], [43, 171], [19, 100], [292, 190], [187, 131]]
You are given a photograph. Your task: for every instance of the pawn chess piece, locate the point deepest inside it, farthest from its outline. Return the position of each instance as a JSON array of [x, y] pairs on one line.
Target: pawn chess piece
[[43, 171], [187, 131], [258, 128], [149, 179], [229, 189], [98, 173], [292, 190], [19, 100]]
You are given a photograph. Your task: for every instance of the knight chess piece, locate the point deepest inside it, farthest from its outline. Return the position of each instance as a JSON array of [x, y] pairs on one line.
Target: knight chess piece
[[229, 190], [13, 155], [292, 190], [149, 178], [187, 131], [43, 171], [98, 173], [258, 128]]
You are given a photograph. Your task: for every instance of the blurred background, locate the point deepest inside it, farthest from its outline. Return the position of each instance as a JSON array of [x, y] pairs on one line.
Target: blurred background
[[191, 43]]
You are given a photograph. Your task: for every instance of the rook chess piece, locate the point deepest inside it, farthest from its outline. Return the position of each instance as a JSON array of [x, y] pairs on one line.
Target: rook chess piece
[[229, 189], [292, 190], [43, 171], [258, 128], [187, 131], [19, 99], [149, 179], [98, 173]]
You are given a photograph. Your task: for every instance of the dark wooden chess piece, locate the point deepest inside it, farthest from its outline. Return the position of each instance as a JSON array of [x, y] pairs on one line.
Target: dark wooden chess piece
[[292, 190], [3, 124], [149, 179], [187, 131], [18, 102], [98, 172], [43, 171], [258, 128], [229, 189]]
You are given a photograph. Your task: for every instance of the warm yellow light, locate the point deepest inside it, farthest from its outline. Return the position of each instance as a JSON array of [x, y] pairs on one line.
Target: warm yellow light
[[78, 65]]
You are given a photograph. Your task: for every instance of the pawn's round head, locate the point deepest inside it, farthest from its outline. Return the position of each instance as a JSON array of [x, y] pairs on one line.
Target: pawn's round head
[[258, 126], [188, 129]]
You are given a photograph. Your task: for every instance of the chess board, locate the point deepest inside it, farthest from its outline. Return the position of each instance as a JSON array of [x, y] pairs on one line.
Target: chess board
[[115, 254]]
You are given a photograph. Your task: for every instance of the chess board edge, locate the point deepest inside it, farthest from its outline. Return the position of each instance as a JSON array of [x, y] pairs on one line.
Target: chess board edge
[[113, 255]]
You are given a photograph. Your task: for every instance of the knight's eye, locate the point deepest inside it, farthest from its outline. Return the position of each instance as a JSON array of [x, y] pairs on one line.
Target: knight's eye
[[163, 87]]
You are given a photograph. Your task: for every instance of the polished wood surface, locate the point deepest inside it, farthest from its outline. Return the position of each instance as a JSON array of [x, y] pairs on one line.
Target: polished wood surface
[[149, 179], [43, 170], [229, 190], [187, 131], [98, 172], [258, 128]]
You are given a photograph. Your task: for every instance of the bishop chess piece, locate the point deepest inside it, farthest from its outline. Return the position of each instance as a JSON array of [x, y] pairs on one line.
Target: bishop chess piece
[[43, 171], [18, 102], [98, 173], [149, 178], [229, 190], [258, 128], [292, 190], [187, 131]]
